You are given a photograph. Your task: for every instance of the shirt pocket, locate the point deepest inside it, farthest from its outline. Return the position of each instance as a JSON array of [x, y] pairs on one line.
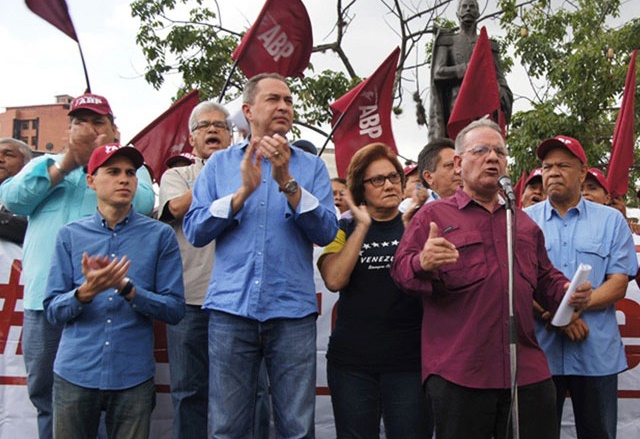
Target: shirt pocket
[[592, 253], [471, 266]]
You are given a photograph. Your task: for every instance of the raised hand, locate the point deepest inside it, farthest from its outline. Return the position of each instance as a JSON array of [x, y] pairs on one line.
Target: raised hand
[[100, 273], [437, 251]]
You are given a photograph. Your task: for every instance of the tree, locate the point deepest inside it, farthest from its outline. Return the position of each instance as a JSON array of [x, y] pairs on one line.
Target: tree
[[577, 62], [575, 59]]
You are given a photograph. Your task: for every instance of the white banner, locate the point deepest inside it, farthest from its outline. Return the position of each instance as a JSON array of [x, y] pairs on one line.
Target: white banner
[[18, 417]]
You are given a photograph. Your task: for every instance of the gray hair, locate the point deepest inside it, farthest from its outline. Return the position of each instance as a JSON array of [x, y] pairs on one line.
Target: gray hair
[[22, 147], [480, 123], [207, 106]]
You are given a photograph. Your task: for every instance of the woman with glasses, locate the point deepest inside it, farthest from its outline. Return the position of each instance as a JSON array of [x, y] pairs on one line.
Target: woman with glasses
[[373, 360]]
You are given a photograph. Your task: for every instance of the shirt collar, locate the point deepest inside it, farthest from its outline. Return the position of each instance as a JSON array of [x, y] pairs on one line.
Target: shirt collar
[[102, 222], [549, 210]]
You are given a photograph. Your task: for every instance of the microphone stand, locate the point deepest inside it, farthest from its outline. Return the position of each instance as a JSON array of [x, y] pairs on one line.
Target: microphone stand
[[513, 331]]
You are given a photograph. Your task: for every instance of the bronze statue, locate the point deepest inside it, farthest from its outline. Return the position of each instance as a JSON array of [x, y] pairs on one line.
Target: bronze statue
[[451, 54]]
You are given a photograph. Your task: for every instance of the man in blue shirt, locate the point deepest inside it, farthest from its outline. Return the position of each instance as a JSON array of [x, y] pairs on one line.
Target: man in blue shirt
[[265, 203], [52, 191], [587, 355], [106, 289]]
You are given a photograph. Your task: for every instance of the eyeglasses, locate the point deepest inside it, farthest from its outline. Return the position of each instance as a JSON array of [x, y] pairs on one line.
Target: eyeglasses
[[482, 150], [378, 180], [205, 124]]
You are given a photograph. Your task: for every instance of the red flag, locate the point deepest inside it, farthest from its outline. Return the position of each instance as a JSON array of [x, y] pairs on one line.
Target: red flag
[[518, 189], [623, 139], [280, 41], [168, 135], [366, 114], [479, 93], [56, 13]]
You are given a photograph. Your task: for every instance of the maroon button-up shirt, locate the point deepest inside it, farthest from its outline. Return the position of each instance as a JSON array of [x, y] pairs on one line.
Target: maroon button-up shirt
[[465, 333]]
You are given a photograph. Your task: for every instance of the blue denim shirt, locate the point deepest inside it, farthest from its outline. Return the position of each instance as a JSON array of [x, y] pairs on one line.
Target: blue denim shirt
[[264, 254], [29, 194], [599, 236], [108, 343]]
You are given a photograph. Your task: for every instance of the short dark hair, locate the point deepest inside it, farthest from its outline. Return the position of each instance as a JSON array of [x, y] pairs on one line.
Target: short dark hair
[[339, 180], [361, 161], [249, 92], [429, 157]]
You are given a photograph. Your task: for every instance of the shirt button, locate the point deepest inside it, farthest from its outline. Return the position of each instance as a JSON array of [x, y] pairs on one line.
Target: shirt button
[[110, 298], [257, 282], [259, 253], [106, 343], [262, 203], [108, 320]]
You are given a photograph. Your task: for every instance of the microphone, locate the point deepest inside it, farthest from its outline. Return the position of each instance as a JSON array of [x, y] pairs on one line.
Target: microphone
[[505, 184]]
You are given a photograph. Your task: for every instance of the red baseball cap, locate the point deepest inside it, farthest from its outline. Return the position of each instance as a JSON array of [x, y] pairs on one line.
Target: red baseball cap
[[600, 178], [566, 142], [536, 173], [185, 158], [102, 154], [409, 169], [91, 102]]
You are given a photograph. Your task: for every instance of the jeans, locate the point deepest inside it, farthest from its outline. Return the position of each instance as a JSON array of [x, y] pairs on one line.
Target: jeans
[[40, 342], [360, 399], [187, 344], [237, 346], [76, 410], [595, 404], [463, 412]]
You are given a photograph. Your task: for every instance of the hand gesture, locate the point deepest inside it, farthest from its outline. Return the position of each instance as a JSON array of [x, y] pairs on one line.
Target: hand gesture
[[437, 251], [251, 166], [360, 213], [276, 149], [83, 139], [577, 330], [100, 274]]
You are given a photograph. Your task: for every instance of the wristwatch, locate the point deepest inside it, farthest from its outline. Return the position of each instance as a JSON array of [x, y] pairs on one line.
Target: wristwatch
[[290, 187], [126, 289]]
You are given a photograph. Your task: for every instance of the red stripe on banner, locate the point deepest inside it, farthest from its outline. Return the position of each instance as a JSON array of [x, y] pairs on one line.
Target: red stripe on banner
[[13, 381]]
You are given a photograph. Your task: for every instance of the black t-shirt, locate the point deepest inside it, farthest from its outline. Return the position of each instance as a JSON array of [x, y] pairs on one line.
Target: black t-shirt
[[378, 326]]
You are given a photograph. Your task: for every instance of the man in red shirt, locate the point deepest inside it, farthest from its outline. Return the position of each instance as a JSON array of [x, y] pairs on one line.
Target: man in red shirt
[[453, 255]]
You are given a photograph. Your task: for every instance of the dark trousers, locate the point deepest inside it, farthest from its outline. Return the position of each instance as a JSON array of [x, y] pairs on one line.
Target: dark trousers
[[595, 404], [462, 412]]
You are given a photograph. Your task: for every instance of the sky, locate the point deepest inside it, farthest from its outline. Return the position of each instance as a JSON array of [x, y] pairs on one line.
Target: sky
[[40, 62]]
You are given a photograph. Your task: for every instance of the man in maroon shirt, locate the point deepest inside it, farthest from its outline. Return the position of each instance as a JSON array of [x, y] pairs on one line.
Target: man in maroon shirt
[[453, 254]]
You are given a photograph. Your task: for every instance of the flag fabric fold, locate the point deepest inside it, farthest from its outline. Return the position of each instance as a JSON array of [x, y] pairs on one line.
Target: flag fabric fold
[[280, 41], [518, 189], [56, 13], [167, 135], [623, 139], [479, 93], [363, 115]]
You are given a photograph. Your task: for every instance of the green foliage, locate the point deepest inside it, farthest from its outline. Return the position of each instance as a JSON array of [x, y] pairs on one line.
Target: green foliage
[[578, 86], [195, 49]]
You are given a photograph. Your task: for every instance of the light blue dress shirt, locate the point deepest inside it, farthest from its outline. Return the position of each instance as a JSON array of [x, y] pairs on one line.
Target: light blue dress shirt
[[107, 344], [597, 235], [29, 194], [264, 254]]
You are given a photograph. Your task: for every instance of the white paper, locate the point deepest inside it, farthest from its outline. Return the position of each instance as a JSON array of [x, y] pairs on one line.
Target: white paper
[[565, 311]]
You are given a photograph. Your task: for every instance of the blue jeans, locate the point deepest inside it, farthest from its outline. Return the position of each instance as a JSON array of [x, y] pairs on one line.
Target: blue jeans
[[237, 346], [187, 344], [595, 404], [76, 410], [40, 342], [360, 399]]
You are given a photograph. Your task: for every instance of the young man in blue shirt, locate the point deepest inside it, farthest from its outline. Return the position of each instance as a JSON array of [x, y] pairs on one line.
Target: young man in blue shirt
[[106, 288]]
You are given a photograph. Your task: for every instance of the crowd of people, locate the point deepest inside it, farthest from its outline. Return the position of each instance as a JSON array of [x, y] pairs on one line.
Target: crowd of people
[[418, 256]]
